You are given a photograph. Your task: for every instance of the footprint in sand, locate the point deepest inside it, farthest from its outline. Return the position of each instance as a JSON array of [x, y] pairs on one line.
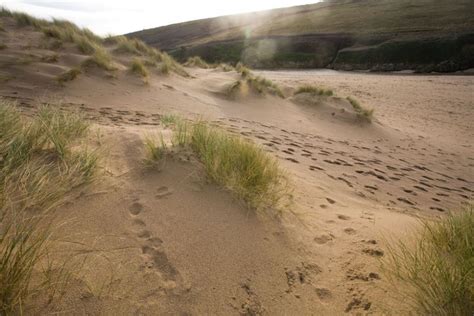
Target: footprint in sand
[[323, 239], [323, 293], [144, 234], [157, 259], [292, 160], [162, 192], [135, 208], [343, 217], [350, 231]]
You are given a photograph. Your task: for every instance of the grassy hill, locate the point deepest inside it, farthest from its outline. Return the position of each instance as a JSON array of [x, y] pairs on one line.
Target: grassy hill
[[424, 35]]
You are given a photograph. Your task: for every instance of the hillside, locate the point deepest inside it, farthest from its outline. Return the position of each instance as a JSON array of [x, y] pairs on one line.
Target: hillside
[[422, 35]]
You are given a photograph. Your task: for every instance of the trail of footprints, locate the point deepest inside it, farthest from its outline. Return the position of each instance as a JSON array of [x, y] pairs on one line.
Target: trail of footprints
[[373, 172], [152, 249]]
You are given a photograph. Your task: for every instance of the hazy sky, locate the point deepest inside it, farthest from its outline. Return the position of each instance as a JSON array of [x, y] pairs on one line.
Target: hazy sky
[[122, 16]]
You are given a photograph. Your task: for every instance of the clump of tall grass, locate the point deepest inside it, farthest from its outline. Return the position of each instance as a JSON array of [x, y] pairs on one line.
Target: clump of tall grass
[[23, 19], [102, 59], [313, 90], [68, 75], [132, 46], [169, 119], [155, 150], [243, 70], [234, 89], [434, 275], [240, 166], [169, 64], [137, 67], [198, 62], [232, 162], [257, 84], [40, 163], [225, 67], [262, 85], [361, 111]]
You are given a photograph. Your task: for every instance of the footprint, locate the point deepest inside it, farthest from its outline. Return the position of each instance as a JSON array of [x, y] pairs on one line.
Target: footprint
[[350, 231], [163, 192], [343, 217], [323, 239], [292, 160], [160, 261], [144, 234], [373, 252], [323, 293], [331, 201], [138, 222], [136, 208]]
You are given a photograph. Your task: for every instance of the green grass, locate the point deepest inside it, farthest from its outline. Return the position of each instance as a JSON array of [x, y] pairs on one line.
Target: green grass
[[313, 90], [169, 119], [262, 85], [198, 62], [68, 75], [41, 163], [102, 59], [137, 67], [243, 70], [238, 165], [155, 150], [131, 46], [362, 112], [434, 274], [234, 89], [226, 67]]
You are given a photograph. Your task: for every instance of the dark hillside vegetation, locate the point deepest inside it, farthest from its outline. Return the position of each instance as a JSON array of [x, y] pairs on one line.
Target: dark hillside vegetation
[[425, 35]]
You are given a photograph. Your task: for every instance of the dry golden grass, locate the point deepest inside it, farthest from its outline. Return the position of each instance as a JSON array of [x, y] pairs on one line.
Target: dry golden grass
[[362, 112], [68, 75], [434, 273], [40, 165], [240, 166], [198, 62], [314, 91]]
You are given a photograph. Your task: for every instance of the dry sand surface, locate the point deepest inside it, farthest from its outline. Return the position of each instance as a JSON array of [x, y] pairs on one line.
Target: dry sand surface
[[169, 242]]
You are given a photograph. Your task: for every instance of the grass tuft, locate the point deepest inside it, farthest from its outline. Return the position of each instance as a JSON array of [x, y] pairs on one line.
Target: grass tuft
[[240, 166], [243, 70], [198, 62], [262, 85], [39, 165], [101, 59], [155, 150], [69, 75], [363, 113], [435, 275], [137, 67], [314, 91], [232, 162]]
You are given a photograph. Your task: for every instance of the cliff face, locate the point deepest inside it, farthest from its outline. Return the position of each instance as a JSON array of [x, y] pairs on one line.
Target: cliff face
[[387, 35]]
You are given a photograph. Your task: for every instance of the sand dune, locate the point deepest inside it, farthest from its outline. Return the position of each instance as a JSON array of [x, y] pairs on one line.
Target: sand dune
[[170, 242]]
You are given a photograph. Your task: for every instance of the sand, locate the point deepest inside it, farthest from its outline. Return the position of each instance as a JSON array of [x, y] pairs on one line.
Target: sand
[[170, 242]]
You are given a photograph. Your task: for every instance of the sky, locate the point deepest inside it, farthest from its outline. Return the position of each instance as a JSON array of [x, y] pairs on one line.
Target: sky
[[123, 16]]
